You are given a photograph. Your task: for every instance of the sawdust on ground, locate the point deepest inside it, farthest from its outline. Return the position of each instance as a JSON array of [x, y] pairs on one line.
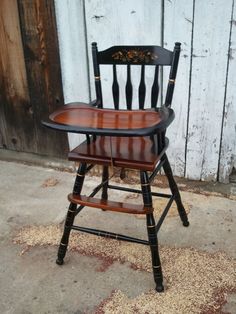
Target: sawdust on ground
[[196, 281]]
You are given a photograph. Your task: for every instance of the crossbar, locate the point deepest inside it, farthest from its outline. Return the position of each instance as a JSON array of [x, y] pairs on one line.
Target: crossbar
[[121, 188], [164, 213], [110, 235], [158, 168]]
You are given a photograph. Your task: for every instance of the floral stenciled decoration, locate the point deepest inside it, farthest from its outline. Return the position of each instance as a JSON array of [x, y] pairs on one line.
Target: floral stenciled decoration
[[135, 56]]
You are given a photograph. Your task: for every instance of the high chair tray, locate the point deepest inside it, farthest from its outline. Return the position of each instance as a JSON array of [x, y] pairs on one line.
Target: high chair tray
[[87, 119]]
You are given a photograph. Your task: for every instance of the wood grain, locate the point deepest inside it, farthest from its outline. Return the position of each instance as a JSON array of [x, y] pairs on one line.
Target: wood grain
[[40, 44], [133, 152], [16, 128], [89, 117], [109, 205]]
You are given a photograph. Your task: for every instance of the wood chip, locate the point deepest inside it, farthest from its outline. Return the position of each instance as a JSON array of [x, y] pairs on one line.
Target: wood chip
[[50, 182], [196, 281]]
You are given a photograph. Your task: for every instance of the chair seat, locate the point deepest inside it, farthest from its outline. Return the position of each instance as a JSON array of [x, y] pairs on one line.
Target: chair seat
[[128, 152]]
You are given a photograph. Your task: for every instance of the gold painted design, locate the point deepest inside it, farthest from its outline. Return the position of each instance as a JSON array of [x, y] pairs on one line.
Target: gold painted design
[[135, 56], [171, 81]]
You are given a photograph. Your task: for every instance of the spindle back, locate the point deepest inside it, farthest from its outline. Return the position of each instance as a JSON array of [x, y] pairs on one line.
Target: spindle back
[[133, 56]]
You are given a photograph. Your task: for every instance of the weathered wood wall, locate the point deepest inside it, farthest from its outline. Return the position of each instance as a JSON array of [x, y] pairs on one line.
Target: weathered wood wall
[[16, 120], [30, 78], [203, 135]]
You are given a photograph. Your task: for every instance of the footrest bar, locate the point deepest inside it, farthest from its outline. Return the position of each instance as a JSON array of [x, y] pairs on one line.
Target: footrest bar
[[165, 212], [121, 188], [162, 195], [110, 235], [82, 206]]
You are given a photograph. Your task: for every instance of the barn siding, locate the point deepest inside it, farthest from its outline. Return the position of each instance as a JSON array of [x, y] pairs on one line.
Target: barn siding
[[16, 133], [73, 51], [41, 57], [228, 140], [178, 25], [202, 137], [30, 78], [210, 48]]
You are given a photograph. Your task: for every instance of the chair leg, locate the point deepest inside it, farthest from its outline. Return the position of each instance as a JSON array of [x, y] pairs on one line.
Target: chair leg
[[70, 215], [152, 235], [105, 177], [175, 191]]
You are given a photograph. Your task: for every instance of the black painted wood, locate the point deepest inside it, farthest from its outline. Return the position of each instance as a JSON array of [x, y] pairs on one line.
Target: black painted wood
[[175, 191], [115, 88], [172, 76], [142, 88], [110, 235], [136, 55], [129, 55], [129, 89], [149, 55], [151, 230], [105, 181], [97, 77], [71, 214], [155, 88]]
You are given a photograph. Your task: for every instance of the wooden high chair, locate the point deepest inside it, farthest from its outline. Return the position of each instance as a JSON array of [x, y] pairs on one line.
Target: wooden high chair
[[130, 138]]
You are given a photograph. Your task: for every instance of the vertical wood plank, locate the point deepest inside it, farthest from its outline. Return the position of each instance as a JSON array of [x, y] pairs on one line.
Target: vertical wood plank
[[228, 141], [38, 28], [210, 48], [123, 22], [178, 26], [16, 127], [73, 54]]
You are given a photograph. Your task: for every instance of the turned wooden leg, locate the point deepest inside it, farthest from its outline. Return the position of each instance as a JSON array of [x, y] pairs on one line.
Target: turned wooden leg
[[151, 230], [105, 177], [79, 180], [175, 191]]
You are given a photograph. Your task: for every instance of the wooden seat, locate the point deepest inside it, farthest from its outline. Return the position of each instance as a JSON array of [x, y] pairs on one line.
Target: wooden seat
[[130, 138], [126, 152]]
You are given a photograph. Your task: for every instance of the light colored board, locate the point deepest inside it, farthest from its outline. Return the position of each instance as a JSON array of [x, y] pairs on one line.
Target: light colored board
[[122, 22], [178, 16], [210, 48], [228, 146], [73, 54]]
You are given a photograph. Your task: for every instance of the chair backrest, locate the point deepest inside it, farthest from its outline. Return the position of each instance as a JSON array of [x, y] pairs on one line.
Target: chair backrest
[[133, 56]]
